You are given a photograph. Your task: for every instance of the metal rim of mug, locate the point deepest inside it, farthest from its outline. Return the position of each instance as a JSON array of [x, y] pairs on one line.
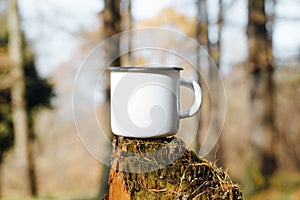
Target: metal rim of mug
[[150, 68]]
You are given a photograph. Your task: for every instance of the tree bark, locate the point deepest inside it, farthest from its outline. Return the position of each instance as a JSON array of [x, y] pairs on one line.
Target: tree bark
[[20, 119], [164, 169], [264, 133]]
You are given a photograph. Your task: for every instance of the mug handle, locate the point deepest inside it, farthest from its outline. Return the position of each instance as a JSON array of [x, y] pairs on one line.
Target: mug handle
[[198, 98]]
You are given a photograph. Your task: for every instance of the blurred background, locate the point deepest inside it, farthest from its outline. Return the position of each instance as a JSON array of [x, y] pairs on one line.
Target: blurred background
[[255, 44]]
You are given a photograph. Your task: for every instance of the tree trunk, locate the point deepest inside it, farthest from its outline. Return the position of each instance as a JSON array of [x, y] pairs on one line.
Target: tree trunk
[[264, 134], [20, 120], [202, 23], [202, 39], [112, 26], [127, 25], [1, 175], [31, 163], [130, 22], [214, 49], [164, 169]]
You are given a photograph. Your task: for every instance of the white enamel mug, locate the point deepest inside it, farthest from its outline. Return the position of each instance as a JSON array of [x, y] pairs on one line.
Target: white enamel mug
[[145, 101]]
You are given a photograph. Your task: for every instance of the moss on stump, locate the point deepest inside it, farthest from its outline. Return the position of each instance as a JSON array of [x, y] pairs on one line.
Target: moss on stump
[[164, 169]]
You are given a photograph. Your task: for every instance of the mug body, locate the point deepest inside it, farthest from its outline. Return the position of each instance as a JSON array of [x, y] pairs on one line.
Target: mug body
[[144, 101]]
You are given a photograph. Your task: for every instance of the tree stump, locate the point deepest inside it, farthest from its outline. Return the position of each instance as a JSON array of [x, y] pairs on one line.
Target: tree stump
[[163, 168]]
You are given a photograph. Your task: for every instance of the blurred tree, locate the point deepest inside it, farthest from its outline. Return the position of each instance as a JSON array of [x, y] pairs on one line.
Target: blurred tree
[[38, 90], [127, 25], [28, 93], [264, 133], [38, 93], [20, 120], [111, 26], [202, 24], [202, 39], [6, 128], [3, 31], [214, 47], [111, 16]]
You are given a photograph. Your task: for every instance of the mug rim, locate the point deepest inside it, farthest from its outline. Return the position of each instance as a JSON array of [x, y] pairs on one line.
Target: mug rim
[[148, 68]]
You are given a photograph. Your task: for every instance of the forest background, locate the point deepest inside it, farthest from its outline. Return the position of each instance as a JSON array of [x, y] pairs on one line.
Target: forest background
[[255, 45]]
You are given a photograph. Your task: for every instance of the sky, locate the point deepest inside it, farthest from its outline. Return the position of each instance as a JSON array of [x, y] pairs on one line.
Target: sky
[[286, 31], [52, 25]]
